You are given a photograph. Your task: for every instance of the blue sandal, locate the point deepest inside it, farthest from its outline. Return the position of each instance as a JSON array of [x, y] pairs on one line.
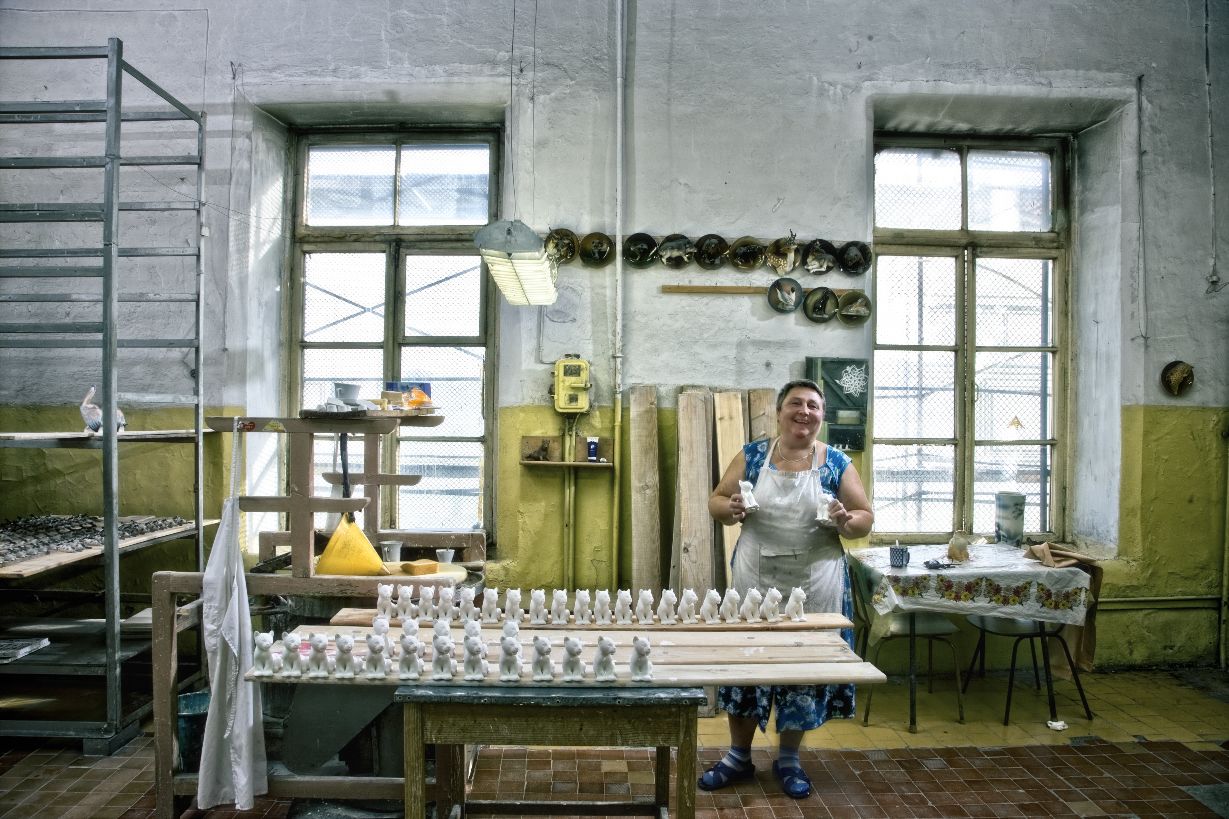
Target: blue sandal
[[794, 781], [721, 774]]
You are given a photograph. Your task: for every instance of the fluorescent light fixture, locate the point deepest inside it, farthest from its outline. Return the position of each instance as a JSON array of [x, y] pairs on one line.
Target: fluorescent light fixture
[[516, 257]]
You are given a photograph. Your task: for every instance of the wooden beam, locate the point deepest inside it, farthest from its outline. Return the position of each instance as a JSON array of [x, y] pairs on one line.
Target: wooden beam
[[730, 434], [695, 469], [763, 413], [644, 480]]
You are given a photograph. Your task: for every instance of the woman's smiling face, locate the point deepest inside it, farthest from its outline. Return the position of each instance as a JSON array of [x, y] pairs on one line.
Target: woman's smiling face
[[801, 414]]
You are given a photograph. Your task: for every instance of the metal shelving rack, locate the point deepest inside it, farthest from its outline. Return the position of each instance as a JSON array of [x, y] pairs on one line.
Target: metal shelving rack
[[102, 261]]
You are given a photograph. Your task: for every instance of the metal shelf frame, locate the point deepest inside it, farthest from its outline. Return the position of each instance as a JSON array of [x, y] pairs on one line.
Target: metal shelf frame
[[103, 263]]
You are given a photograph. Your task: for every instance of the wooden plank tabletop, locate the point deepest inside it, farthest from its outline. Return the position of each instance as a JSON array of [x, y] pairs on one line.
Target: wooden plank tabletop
[[53, 560], [363, 617]]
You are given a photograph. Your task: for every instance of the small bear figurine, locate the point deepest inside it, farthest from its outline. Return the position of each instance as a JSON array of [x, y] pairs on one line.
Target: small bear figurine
[[583, 614], [750, 609], [384, 600], [410, 627], [442, 627], [376, 665], [794, 606], [537, 607], [405, 608], [729, 605], [559, 607], [466, 609], [476, 665], [292, 662], [603, 663], [511, 629], [445, 608], [644, 607], [343, 663], [543, 668], [641, 668], [512, 606], [473, 628], [262, 655], [666, 614], [601, 608], [573, 669], [410, 666], [509, 658], [687, 606], [490, 606], [442, 664], [318, 658], [379, 626], [770, 609], [623, 608], [710, 609], [426, 602]]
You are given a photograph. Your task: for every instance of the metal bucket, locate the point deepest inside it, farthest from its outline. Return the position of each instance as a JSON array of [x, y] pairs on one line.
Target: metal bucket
[[193, 708]]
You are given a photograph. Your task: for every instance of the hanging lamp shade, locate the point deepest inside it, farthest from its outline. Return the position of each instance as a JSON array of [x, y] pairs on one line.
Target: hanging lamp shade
[[519, 264]]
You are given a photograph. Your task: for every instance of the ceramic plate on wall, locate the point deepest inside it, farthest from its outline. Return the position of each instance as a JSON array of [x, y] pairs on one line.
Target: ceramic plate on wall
[[784, 295], [820, 305], [711, 251], [639, 250], [596, 250]]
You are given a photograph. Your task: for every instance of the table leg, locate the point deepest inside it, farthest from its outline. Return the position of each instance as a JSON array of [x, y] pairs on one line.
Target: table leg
[[685, 765], [912, 673], [449, 779], [1045, 664], [661, 776], [415, 762]]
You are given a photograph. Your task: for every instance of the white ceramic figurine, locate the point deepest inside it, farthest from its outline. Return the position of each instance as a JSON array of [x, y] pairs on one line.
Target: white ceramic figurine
[[573, 669], [644, 607], [794, 606], [262, 655], [603, 664], [379, 626], [750, 609], [509, 659], [466, 609], [583, 613], [442, 664], [623, 608], [318, 658], [343, 663], [729, 605], [641, 668], [476, 665], [710, 609], [490, 605], [512, 606], [559, 607], [410, 665], [687, 606], [601, 608], [384, 601], [376, 665], [446, 608], [537, 607], [666, 613], [426, 602], [770, 609], [292, 661], [543, 668]]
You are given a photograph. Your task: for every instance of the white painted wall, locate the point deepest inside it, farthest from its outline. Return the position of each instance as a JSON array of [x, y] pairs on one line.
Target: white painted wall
[[743, 118]]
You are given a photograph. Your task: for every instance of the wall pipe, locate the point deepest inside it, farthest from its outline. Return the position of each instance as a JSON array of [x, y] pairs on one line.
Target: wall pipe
[[616, 354], [1224, 571], [569, 501]]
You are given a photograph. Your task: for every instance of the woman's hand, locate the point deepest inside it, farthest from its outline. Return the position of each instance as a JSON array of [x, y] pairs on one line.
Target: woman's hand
[[839, 515], [738, 510]]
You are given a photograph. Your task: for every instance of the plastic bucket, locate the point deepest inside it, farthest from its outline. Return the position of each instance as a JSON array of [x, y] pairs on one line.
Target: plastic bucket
[[193, 708]]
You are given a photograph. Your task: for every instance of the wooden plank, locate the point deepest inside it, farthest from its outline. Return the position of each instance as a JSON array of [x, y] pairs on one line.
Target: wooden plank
[[695, 469], [762, 414], [814, 622], [731, 434], [224, 423], [281, 503], [335, 479], [54, 560], [644, 481], [730, 290]]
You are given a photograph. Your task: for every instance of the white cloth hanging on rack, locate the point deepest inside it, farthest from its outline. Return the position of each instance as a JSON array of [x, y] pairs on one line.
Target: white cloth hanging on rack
[[233, 765]]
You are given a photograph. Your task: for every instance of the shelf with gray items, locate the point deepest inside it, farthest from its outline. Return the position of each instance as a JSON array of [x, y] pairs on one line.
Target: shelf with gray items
[[52, 251]]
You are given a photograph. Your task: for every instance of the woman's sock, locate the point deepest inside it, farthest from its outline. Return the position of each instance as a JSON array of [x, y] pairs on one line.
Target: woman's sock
[[738, 758], [788, 758]]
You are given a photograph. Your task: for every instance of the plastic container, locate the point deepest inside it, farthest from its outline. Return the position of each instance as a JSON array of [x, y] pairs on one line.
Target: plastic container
[[193, 708]]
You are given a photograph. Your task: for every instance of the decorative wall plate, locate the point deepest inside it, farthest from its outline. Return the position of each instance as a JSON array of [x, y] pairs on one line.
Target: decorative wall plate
[[820, 305], [711, 251], [639, 250], [747, 254], [784, 295], [596, 249], [854, 258], [854, 307], [819, 256], [675, 251], [562, 245]]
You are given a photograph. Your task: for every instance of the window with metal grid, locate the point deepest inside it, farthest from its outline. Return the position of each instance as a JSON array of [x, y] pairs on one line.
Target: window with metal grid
[[968, 353], [388, 287]]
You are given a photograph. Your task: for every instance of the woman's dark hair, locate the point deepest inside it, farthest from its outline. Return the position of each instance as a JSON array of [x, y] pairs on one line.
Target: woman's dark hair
[[801, 382]]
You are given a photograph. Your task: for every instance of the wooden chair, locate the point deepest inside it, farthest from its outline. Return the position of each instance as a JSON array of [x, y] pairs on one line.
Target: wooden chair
[[1023, 629]]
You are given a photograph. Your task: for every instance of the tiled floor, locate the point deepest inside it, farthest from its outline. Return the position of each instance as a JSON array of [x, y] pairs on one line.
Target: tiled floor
[[1156, 735]]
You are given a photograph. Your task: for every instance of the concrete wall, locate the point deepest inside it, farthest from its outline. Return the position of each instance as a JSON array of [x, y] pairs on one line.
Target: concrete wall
[[742, 118]]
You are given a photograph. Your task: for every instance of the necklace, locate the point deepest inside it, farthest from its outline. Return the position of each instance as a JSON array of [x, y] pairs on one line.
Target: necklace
[[805, 457]]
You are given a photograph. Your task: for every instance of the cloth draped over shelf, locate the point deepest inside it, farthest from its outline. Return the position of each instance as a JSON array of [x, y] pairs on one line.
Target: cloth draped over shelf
[[233, 764]]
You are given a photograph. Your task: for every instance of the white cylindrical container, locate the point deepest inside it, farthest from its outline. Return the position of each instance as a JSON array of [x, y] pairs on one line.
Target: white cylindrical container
[[1009, 518]]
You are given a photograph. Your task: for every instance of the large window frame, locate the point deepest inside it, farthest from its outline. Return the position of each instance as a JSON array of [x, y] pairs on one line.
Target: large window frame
[[965, 247], [397, 243]]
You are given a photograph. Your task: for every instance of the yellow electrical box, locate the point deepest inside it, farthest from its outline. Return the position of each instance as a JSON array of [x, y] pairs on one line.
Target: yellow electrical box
[[571, 387]]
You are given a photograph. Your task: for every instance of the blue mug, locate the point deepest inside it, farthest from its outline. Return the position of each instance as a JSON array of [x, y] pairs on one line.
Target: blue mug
[[898, 556]]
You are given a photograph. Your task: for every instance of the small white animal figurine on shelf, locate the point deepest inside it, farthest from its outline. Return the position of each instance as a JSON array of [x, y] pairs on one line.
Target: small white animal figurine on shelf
[[466, 610], [687, 606], [473, 628], [601, 608], [476, 665], [406, 610], [379, 626], [410, 627], [644, 607], [641, 668], [543, 668], [343, 663], [603, 663], [512, 606], [292, 662], [623, 608], [490, 606], [511, 629], [750, 609], [442, 664], [376, 665], [793, 607], [573, 669], [583, 613], [384, 601], [537, 607], [262, 655], [442, 627], [559, 607], [446, 607], [729, 605], [318, 658], [770, 609], [666, 614], [410, 665], [710, 609], [509, 658], [426, 602]]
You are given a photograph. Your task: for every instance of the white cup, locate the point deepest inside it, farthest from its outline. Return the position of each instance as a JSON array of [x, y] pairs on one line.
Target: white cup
[[391, 549], [444, 555]]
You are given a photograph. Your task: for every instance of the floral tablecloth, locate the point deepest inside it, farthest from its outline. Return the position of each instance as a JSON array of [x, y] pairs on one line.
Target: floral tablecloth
[[996, 579]]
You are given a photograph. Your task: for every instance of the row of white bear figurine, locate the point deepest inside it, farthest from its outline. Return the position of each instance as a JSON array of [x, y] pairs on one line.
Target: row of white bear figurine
[[377, 663], [732, 608]]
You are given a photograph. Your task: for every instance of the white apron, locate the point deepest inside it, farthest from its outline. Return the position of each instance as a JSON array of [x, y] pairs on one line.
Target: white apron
[[783, 545]]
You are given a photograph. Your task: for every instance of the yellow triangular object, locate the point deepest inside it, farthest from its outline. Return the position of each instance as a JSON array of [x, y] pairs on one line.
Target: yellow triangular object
[[350, 552]]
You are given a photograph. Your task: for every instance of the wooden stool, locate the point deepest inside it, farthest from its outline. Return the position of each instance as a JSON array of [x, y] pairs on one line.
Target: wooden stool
[[451, 716]]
